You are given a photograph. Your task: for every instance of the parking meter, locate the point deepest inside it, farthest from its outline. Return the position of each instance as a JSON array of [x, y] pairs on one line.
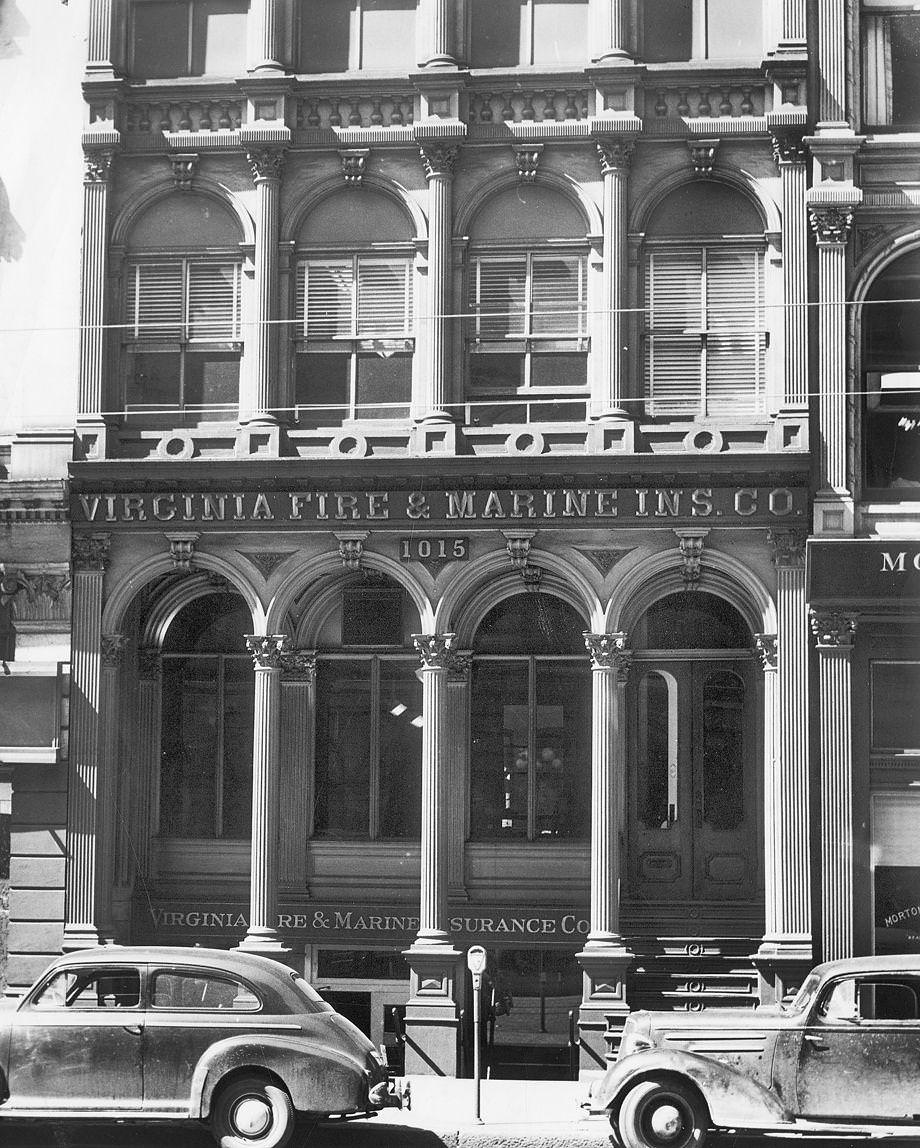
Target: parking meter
[[476, 963]]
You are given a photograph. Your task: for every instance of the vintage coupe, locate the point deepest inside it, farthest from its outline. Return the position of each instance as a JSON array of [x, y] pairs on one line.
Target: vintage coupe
[[842, 1058], [148, 1033]]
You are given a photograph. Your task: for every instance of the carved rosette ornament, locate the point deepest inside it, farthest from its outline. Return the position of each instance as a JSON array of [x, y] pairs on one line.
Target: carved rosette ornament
[[438, 159], [765, 645], [298, 665], [609, 652], [354, 164], [113, 650], [527, 158], [97, 165], [266, 163], [434, 650], [834, 629], [615, 154], [788, 546], [789, 147], [267, 650], [831, 224], [90, 552]]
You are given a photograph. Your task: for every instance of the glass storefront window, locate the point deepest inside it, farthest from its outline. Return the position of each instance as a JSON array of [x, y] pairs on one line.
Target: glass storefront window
[[895, 715]]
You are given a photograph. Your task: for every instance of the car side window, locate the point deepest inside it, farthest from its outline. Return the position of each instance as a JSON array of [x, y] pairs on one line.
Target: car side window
[[838, 1002], [82, 989], [178, 989], [871, 998]]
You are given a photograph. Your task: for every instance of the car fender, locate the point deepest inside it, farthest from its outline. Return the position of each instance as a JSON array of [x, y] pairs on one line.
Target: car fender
[[318, 1077], [733, 1099]]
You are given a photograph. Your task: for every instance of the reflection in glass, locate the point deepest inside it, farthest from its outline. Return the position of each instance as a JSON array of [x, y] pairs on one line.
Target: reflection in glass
[[400, 750], [723, 751], [653, 751], [343, 740]]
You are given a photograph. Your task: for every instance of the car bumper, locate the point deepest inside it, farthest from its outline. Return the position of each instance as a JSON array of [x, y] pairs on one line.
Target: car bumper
[[391, 1093]]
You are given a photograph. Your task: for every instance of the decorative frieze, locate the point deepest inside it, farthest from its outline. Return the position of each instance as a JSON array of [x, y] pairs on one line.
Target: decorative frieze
[[266, 163], [609, 652], [267, 650], [835, 629], [527, 158], [788, 546], [830, 224], [354, 164], [434, 650], [766, 647], [438, 159], [90, 552]]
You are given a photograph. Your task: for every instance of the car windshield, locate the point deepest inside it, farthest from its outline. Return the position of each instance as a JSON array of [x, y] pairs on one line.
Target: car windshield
[[804, 996], [316, 1001]]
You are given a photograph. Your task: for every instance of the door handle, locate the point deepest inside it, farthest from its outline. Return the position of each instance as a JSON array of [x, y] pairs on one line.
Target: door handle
[[134, 1029], [817, 1042]]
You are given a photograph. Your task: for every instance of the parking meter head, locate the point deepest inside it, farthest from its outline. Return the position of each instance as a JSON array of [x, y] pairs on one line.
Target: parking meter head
[[476, 960]]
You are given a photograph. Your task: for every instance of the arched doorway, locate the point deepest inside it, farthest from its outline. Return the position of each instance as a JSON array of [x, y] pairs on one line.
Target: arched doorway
[[692, 790]]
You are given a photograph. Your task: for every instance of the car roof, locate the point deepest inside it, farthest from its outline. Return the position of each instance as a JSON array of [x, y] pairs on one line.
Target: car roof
[[859, 966], [250, 964]]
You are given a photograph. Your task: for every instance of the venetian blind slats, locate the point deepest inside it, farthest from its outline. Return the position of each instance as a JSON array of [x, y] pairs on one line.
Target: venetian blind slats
[[528, 296], [673, 291], [498, 294], [183, 300], [734, 341], [355, 297], [558, 296]]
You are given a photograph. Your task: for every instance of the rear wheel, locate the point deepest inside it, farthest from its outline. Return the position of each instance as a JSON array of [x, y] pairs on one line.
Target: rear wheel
[[251, 1112], [662, 1114]]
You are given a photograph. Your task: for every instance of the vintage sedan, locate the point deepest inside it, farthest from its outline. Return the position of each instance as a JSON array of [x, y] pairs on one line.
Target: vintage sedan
[[145, 1033], [842, 1058]]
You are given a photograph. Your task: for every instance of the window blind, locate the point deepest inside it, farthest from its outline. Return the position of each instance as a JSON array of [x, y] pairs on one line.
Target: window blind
[[183, 299], [528, 295], [359, 297]]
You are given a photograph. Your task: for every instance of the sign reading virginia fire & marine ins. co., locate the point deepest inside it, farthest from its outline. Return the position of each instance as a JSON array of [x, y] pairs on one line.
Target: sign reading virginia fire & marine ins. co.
[[557, 505]]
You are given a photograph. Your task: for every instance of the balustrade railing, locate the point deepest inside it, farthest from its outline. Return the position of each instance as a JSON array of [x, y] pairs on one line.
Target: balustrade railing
[[360, 110], [191, 115], [702, 100], [506, 104]]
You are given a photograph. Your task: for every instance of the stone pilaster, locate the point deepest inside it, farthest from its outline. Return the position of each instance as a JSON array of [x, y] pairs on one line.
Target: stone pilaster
[[438, 20], [610, 31], [260, 405], [146, 764], [605, 958], [438, 160], [262, 936], [834, 634], [91, 399], [432, 1012], [298, 723], [831, 62], [100, 40], [89, 559], [114, 780], [458, 717], [785, 953], [790, 155], [266, 40], [615, 156]]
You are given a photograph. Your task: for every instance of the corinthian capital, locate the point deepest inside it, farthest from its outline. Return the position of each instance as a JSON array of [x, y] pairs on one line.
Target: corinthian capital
[[788, 546], [834, 629], [438, 159], [299, 665], [434, 650], [831, 224], [90, 552], [97, 165], [788, 147], [615, 154], [266, 163], [267, 650], [766, 647], [608, 652], [113, 650]]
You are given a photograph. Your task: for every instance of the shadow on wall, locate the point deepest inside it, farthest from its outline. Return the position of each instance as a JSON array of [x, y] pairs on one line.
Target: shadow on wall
[[11, 234]]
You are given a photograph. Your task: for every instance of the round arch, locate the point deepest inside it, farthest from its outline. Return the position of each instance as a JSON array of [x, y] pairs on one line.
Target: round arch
[[888, 249], [735, 178], [163, 611], [467, 208], [661, 574], [204, 186], [293, 219]]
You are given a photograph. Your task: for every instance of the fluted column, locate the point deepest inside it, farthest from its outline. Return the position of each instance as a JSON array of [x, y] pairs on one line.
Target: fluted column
[[610, 31], [147, 764], [100, 40], [793, 30], [262, 935], [831, 61], [111, 782], [438, 20], [260, 405], [298, 721], [785, 953], [790, 155], [432, 1011], [438, 160], [831, 226], [91, 396], [89, 559], [605, 959], [266, 40], [834, 634], [615, 155], [458, 745]]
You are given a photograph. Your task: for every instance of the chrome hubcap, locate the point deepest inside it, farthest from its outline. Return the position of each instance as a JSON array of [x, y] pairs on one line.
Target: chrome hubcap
[[666, 1122], [252, 1116]]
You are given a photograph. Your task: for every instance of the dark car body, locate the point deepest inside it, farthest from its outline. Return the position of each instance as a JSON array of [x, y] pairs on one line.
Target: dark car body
[[154, 1033], [844, 1056]]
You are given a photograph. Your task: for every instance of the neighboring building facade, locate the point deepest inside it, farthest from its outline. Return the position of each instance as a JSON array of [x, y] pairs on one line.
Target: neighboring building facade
[[439, 506], [863, 585]]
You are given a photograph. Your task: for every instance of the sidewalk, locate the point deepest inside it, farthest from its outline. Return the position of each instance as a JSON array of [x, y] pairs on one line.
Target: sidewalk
[[526, 1113]]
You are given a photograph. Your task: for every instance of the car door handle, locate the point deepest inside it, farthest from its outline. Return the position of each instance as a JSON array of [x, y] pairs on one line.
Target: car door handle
[[134, 1029], [817, 1042]]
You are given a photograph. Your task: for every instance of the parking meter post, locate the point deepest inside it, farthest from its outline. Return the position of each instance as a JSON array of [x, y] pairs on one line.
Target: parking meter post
[[476, 963]]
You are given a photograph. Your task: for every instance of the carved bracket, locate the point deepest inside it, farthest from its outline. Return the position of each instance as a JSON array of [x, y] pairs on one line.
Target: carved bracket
[[834, 629], [766, 647], [184, 169], [354, 164], [517, 543], [527, 158], [267, 650], [691, 554], [703, 156], [351, 547], [182, 549]]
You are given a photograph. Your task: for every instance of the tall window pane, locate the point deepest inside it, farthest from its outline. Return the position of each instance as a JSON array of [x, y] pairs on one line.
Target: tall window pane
[[190, 746], [498, 33], [560, 31], [723, 751], [239, 696], [499, 752], [343, 740], [562, 751], [388, 35], [654, 739], [400, 719]]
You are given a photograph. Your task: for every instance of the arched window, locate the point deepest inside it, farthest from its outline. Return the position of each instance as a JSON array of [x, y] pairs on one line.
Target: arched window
[[527, 336], [355, 313], [207, 721], [505, 33], [182, 299], [704, 339], [369, 716], [673, 30], [172, 38], [357, 35], [891, 377], [530, 753], [692, 756]]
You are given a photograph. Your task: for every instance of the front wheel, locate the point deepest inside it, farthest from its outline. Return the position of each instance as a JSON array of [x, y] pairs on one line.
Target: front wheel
[[662, 1114], [251, 1112]]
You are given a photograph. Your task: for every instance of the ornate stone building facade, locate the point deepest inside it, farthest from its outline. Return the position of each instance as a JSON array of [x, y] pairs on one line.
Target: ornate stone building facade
[[440, 505]]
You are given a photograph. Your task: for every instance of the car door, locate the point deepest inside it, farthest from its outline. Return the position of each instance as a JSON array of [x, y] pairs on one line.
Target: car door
[[75, 1042], [189, 1010], [860, 1052]]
